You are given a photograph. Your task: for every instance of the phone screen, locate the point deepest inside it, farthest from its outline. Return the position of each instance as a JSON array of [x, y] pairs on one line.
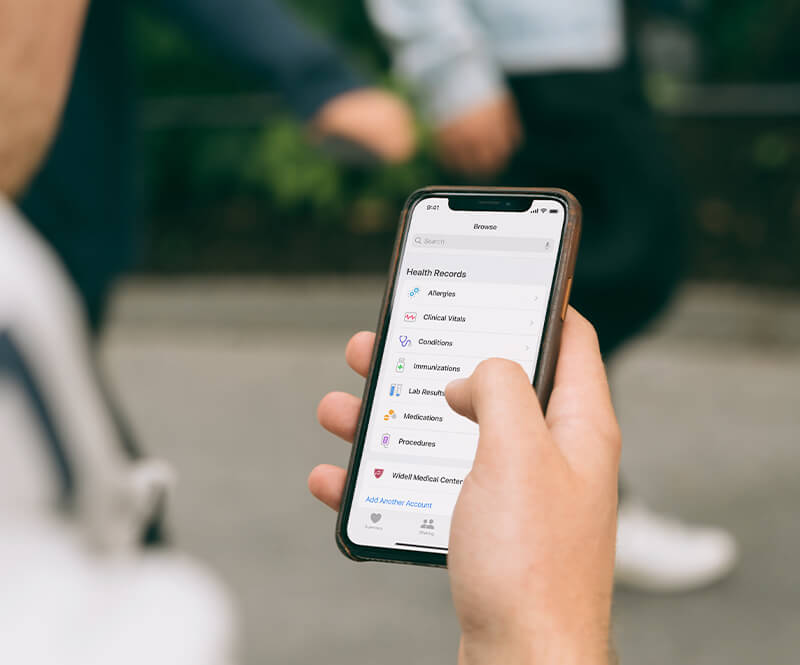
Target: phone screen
[[471, 284]]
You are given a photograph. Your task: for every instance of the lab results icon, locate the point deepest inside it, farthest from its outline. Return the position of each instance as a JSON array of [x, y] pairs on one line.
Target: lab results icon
[[389, 415], [395, 389], [385, 440], [401, 365], [410, 317], [378, 473], [375, 517], [405, 341], [427, 525], [413, 292]]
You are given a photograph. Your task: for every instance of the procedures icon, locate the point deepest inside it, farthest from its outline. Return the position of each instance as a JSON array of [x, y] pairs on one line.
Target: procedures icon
[[385, 440]]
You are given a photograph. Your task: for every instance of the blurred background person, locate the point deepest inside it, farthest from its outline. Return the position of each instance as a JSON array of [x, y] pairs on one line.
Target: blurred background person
[[81, 505], [523, 92], [91, 215], [73, 506]]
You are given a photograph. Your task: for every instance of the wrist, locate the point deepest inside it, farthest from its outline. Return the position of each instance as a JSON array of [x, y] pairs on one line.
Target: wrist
[[536, 648]]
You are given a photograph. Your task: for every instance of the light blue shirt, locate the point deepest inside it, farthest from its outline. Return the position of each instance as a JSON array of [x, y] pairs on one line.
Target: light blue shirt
[[456, 53]]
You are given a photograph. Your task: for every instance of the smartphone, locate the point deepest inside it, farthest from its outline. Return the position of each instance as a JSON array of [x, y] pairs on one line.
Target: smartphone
[[476, 273]]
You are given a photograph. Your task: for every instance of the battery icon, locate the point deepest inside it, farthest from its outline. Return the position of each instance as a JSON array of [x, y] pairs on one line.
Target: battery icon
[[553, 211]]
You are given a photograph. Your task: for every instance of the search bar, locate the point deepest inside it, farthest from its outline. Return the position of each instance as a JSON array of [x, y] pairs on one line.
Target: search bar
[[485, 243]]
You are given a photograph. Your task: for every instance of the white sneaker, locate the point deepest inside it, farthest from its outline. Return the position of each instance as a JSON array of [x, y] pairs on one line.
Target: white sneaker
[[663, 555]]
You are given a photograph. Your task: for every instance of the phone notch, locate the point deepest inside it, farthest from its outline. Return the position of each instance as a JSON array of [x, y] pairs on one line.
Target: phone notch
[[471, 202]]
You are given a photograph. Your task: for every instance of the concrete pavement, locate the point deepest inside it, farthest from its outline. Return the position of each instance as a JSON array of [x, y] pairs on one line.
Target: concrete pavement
[[222, 378]]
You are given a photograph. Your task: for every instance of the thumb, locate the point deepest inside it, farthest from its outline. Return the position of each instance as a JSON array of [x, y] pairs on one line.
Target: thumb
[[500, 398]]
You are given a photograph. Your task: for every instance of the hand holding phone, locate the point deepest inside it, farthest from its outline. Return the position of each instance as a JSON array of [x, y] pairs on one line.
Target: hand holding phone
[[476, 273], [532, 537]]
